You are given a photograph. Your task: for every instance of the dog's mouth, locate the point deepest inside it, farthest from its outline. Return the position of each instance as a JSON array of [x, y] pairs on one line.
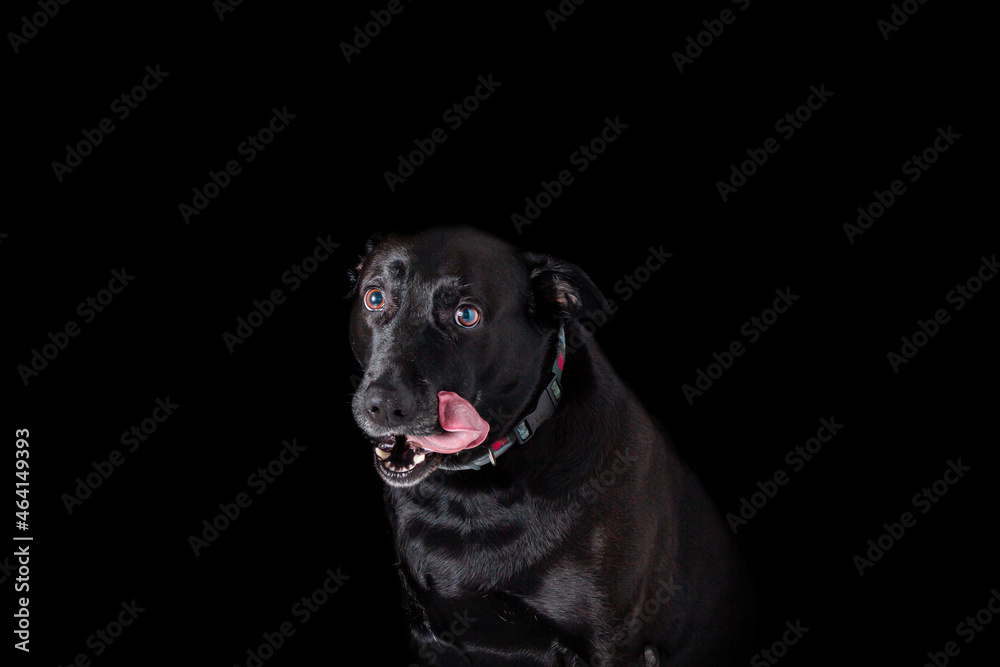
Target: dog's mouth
[[404, 460]]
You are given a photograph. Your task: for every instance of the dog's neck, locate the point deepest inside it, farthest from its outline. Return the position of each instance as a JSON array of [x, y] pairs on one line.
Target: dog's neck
[[544, 407]]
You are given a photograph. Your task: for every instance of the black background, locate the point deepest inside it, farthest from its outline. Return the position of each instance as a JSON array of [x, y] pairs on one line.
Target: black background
[[656, 185]]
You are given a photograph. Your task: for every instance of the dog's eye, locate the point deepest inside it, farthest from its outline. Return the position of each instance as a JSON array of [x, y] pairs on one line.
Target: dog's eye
[[374, 299], [467, 316]]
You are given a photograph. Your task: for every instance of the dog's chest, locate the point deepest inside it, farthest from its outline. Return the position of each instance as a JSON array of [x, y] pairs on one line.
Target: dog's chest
[[454, 548], [515, 569]]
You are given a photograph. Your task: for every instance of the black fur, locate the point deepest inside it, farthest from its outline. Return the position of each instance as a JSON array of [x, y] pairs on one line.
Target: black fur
[[590, 544]]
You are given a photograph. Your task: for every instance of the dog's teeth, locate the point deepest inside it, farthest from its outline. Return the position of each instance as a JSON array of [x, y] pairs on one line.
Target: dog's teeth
[[417, 459]]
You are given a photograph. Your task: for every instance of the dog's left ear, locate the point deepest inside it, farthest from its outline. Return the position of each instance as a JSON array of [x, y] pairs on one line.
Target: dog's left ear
[[560, 290]]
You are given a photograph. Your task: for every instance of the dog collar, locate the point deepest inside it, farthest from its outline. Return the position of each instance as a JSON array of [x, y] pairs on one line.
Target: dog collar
[[545, 407]]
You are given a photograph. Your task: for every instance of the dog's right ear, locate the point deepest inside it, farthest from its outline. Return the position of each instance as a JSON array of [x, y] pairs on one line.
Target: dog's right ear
[[560, 291], [354, 273]]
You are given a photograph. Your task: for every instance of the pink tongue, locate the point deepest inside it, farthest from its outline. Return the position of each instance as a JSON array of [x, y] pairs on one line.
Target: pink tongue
[[465, 428]]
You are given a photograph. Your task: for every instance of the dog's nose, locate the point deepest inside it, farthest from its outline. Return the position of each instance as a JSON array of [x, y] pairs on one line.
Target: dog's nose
[[389, 405]]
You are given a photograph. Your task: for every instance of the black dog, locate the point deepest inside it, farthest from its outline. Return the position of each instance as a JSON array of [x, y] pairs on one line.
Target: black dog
[[588, 542]]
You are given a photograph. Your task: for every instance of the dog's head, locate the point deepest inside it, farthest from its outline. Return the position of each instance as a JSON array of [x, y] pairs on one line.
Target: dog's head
[[455, 331]]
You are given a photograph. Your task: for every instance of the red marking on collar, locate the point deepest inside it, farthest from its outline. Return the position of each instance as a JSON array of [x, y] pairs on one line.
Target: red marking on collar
[[560, 362]]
